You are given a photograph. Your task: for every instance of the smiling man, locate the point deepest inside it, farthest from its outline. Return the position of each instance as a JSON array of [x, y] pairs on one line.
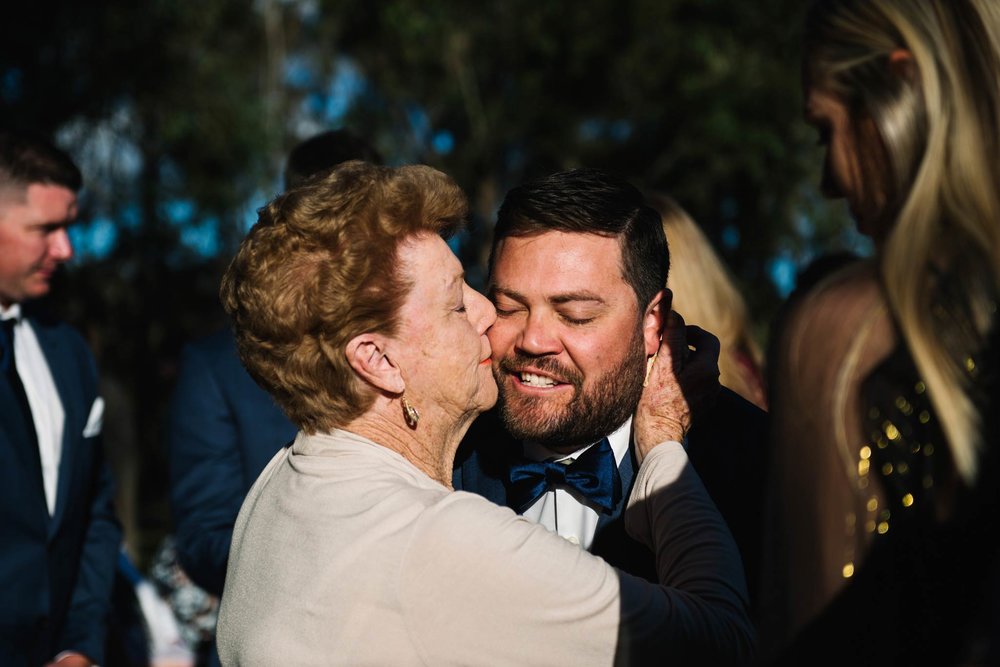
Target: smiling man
[[577, 275]]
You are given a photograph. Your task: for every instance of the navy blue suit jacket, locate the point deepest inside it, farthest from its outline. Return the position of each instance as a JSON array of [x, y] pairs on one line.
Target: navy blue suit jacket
[[726, 448], [223, 430], [56, 572]]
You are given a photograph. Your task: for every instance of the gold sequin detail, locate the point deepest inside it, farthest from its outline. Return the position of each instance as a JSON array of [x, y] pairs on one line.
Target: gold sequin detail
[[887, 469], [870, 526], [908, 500], [872, 504], [866, 452], [920, 387], [902, 468], [970, 364], [924, 416], [891, 431], [848, 571], [904, 406], [883, 528]]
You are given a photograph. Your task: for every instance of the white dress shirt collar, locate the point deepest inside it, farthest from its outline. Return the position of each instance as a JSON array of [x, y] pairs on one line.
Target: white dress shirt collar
[[561, 510], [620, 441], [43, 398]]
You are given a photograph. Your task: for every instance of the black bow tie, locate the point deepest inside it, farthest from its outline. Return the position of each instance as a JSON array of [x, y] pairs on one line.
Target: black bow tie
[[594, 475]]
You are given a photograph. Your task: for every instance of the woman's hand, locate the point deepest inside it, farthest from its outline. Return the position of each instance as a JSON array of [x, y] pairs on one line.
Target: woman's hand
[[682, 383]]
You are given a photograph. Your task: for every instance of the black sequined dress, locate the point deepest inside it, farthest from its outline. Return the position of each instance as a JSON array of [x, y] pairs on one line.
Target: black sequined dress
[[928, 591]]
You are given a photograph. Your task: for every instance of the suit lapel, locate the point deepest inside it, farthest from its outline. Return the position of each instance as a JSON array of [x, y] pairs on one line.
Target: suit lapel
[[62, 367], [16, 450], [484, 458], [626, 471], [13, 427]]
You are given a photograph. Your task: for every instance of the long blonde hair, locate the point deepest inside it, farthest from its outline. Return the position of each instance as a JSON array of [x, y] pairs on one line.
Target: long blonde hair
[[705, 294], [939, 123]]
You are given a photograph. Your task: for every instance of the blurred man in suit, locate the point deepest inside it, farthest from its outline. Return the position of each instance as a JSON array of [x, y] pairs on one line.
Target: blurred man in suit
[[223, 428], [577, 275], [59, 538]]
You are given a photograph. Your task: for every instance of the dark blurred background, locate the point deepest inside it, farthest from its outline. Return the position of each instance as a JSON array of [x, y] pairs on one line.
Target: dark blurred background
[[180, 115]]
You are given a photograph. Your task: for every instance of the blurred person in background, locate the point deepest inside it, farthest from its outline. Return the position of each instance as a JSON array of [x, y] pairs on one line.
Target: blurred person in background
[[59, 537], [705, 294], [883, 537], [223, 429]]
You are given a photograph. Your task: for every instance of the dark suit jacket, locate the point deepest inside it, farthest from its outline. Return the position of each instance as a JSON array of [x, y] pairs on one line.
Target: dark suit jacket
[[726, 448], [56, 572], [223, 430]]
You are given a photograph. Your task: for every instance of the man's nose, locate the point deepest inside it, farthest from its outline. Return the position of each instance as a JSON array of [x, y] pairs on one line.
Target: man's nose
[[60, 247], [538, 336]]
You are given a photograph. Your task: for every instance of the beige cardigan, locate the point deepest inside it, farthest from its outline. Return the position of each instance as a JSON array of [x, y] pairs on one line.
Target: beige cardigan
[[346, 554]]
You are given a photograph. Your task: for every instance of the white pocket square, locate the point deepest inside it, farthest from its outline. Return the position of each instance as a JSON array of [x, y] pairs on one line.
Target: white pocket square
[[95, 420]]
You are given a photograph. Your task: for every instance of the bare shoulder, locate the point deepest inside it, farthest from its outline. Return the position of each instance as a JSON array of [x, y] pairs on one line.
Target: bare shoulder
[[843, 298], [844, 315]]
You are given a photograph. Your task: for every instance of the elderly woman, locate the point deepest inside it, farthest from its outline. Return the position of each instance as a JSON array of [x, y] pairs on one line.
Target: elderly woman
[[352, 548]]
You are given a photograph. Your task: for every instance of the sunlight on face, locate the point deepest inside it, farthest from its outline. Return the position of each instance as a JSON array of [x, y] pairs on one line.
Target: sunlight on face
[[568, 349], [445, 351], [33, 238]]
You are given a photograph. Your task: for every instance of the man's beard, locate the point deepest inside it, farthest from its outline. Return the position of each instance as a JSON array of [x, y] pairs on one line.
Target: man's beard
[[588, 416]]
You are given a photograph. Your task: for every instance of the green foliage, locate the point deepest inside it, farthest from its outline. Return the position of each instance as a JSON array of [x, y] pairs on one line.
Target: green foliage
[[166, 102]]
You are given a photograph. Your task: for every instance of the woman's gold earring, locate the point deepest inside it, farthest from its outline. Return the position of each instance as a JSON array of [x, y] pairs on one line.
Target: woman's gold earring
[[410, 413]]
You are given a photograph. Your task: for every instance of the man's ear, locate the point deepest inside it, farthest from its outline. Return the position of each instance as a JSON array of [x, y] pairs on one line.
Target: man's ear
[[655, 318], [902, 64], [366, 354]]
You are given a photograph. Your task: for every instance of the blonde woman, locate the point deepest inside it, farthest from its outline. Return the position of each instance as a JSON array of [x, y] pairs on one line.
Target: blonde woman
[[882, 537], [705, 294]]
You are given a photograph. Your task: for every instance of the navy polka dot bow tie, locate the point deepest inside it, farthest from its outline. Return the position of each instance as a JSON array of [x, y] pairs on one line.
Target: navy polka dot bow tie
[[593, 475]]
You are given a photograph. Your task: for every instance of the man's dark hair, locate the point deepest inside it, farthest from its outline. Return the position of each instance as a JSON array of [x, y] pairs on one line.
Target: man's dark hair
[[27, 158], [323, 152], [591, 201]]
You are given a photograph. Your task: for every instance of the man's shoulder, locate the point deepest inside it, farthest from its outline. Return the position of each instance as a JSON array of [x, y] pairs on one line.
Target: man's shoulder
[[45, 324], [732, 424], [731, 406], [484, 457], [218, 347], [64, 347], [487, 442], [215, 355]]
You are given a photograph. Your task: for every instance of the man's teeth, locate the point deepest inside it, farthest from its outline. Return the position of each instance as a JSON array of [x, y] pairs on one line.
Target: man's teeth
[[533, 380]]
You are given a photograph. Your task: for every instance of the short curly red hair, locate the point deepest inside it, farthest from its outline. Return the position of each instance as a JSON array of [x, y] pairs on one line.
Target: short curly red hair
[[320, 267]]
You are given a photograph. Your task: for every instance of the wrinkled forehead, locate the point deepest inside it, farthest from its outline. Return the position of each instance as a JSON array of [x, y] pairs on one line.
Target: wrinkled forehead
[[427, 261]]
